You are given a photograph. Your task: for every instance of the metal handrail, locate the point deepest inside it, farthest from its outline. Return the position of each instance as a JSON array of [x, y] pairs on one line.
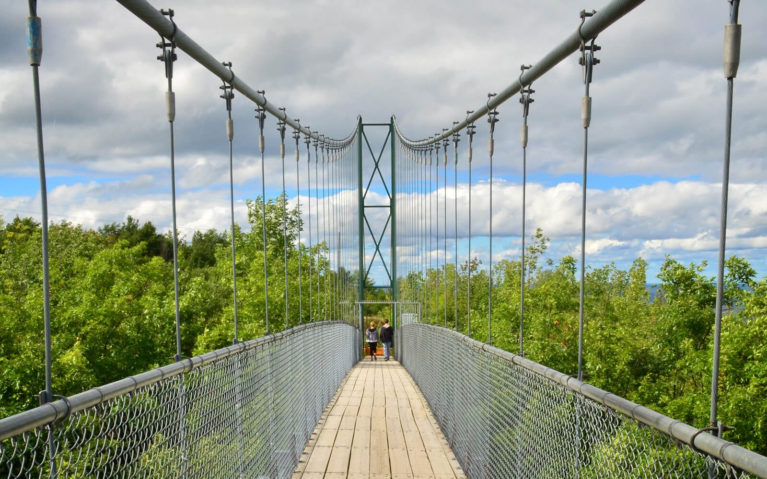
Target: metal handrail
[[56, 410], [709, 444]]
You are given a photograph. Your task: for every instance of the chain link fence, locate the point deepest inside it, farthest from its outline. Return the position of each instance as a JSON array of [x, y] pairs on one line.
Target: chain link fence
[[246, 410], [508, 417]]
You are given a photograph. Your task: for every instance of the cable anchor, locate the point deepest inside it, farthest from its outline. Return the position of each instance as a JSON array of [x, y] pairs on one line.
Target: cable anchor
[[470, 132], [227, 95], [492, 119], [168, 47], [169, 56], [525, 99], [261, 117], [587, 61], [281, 129], [456, 140], [445, 143], [297, 136]]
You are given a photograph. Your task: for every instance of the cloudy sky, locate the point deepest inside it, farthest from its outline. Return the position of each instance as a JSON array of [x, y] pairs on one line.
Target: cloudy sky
[[656, 142]]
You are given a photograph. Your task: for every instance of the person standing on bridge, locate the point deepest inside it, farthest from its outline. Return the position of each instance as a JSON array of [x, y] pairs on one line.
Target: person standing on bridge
[[387, 338], [371, 336]]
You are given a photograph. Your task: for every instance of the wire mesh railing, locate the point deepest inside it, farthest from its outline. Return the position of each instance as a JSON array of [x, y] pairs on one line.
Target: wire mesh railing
[[507, 417], [243, 411]]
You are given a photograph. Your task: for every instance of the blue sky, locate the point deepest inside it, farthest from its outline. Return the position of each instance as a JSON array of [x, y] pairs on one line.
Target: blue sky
[[656, 142]]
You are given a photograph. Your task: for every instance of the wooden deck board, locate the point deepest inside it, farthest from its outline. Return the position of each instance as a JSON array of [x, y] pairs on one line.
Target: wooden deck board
[[378, 426]]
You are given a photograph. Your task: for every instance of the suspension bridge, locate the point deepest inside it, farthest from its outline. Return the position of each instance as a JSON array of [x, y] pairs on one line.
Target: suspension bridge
[[447, 405]]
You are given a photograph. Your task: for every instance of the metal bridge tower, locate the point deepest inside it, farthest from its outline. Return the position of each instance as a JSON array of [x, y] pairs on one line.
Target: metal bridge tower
[[366, 230]]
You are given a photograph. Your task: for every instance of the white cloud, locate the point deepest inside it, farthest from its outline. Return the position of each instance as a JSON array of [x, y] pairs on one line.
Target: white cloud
[[658, 113]]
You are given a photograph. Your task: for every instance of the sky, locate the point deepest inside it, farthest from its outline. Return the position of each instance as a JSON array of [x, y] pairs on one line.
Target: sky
[[656, 142]]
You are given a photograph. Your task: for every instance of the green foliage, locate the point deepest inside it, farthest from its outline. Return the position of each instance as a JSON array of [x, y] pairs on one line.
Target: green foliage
[[654, 351], [113, 313], [112, 298]]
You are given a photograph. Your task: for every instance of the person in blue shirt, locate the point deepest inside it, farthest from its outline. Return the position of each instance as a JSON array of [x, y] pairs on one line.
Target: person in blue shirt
[[387, 338]]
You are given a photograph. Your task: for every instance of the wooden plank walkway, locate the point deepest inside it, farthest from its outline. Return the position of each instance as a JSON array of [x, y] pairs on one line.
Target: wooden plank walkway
[[378, 425]]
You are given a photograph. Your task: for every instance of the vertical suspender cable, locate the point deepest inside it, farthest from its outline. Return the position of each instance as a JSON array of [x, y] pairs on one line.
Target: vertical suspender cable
[[456, 139], [168, 57], [307, 140], [439, 264], [470, 131], [35, 52], [445, 143], [228, 95], [732, 35], [525, 100], [284, 201], [325, 233], [317, 203], [431, 224], [297, 137], [492, 119], [588, 61], [423, 169], [261, 116], [334, 205]]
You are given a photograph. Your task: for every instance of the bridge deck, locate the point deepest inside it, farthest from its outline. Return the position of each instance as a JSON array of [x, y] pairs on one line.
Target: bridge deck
[[378, 426]]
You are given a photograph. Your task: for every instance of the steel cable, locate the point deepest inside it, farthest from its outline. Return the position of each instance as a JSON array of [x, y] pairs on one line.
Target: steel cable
[[492, 119], [731, 61], [228, 95], [284, 202], [261, 116], [525, 99], [297, 137]]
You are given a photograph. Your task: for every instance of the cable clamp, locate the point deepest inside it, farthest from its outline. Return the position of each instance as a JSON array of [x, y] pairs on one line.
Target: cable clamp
[[718, 427], [170, 13], [492, 119], [168, 47], [587, 60], [44, 399], [523, 67], [297, 136], [525, 92], [228, 93]]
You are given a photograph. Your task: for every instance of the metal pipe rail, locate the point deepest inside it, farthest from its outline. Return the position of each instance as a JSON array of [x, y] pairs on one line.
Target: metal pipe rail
[[152, 17], [57, 410], [503, 390], [605, 17]]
